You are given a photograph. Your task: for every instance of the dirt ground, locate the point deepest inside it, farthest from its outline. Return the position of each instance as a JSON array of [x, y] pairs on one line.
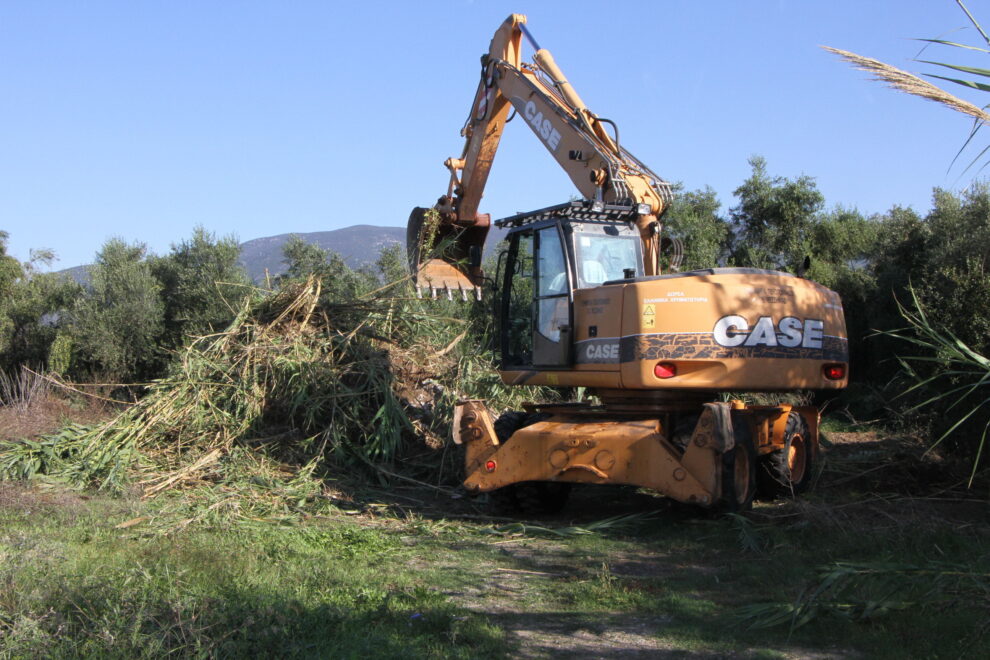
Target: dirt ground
[[49, 413]]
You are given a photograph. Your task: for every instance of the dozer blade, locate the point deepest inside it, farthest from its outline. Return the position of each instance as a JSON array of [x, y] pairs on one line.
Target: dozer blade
[[445, 255]]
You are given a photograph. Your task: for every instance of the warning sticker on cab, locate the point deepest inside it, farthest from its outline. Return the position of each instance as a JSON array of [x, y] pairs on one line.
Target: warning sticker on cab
[[649, 316]]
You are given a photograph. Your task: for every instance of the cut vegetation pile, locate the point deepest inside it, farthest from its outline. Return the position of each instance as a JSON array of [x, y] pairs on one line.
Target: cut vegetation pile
[[295, 385]]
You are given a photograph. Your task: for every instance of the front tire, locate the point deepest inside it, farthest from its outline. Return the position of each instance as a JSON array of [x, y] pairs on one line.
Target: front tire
[[528, 497]]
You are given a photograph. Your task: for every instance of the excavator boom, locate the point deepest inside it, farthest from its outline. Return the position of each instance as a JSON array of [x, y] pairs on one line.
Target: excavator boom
[[445, 241]]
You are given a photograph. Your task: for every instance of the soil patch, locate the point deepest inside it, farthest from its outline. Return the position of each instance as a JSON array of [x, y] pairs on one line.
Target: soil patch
[[47, 415], [25, 499]]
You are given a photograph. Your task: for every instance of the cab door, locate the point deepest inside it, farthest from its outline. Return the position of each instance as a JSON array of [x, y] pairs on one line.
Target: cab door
[[535, 323]]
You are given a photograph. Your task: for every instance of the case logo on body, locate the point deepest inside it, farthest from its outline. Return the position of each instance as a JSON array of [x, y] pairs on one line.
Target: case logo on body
[[602, 352], [790, 332], [542, 126]]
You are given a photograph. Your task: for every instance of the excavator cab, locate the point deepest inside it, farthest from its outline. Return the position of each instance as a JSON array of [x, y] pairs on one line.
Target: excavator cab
[[551, 253]]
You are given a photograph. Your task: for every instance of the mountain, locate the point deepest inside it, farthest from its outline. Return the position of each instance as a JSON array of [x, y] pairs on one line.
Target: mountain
[[79, 273], [358, 244]]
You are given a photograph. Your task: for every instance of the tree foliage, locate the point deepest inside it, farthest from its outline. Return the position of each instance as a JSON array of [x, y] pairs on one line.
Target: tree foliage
[[202, 283], [338, 281], [10, 268], [117, 326], [32, 308], [773, 219], [944, 256], [694, 219]]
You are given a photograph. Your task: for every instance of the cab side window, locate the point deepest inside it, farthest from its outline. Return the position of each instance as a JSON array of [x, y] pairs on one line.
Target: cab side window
[[518, 324]]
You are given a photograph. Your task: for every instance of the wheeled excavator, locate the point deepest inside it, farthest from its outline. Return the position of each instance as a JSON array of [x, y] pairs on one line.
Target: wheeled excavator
[[581, 302]]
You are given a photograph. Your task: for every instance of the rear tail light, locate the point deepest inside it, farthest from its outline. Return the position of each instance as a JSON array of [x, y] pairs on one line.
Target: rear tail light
[[490, 466], [665, 370], [834, 371]]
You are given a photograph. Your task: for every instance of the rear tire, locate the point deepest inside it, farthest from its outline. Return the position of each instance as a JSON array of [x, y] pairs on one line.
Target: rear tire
[[787, 471], [738, 470], [529, 497]]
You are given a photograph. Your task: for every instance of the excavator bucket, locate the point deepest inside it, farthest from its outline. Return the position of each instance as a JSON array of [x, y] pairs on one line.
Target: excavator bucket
[[444, 254]]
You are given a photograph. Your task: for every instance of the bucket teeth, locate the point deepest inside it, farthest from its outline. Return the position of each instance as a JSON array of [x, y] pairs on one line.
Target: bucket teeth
[[447, 287]]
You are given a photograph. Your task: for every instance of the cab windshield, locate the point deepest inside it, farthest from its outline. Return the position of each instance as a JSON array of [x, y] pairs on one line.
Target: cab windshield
[[600, 258]]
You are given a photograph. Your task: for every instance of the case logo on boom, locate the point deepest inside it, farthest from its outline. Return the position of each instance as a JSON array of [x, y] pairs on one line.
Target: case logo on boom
[[542, 126], [791, 332]]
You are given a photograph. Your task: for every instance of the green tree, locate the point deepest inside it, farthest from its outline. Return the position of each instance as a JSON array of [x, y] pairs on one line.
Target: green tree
[[773, 218], [10, 268], [694, 219], [841, 244], [340, 283], [35, 311], [32, 308], [944, 256], [202, 284], [392, 265], [117, 325]]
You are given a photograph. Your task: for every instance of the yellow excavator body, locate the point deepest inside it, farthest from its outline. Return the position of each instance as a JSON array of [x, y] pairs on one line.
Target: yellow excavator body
[[581, 301]]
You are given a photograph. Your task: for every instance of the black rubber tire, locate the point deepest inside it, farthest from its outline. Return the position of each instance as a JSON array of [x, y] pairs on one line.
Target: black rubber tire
[[738, 470], [529, 497], [787, 471], [541, 498], [511, 421]]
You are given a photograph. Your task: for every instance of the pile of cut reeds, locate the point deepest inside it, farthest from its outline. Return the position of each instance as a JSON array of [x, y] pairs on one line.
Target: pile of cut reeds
[[283, 377], [298, 387]]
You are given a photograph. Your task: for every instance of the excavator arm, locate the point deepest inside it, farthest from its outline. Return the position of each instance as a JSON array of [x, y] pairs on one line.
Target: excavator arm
[[445, 242]]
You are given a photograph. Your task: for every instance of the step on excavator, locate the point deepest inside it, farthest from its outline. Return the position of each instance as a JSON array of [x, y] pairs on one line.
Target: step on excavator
[[581, 302]]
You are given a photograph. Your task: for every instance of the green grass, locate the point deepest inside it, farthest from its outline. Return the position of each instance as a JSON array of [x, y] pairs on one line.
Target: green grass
[[80, 587], [394, 582]]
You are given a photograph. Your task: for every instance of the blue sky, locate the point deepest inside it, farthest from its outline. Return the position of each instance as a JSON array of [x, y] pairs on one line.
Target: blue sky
[[144, 119]]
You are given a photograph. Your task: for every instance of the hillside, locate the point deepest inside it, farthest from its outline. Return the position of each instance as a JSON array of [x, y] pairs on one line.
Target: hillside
[[358, 245]]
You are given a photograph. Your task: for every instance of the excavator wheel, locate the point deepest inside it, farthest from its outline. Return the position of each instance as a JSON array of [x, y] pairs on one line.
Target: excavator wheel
[[529, 497], [541, 498], [787, 471], [738, 470]]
